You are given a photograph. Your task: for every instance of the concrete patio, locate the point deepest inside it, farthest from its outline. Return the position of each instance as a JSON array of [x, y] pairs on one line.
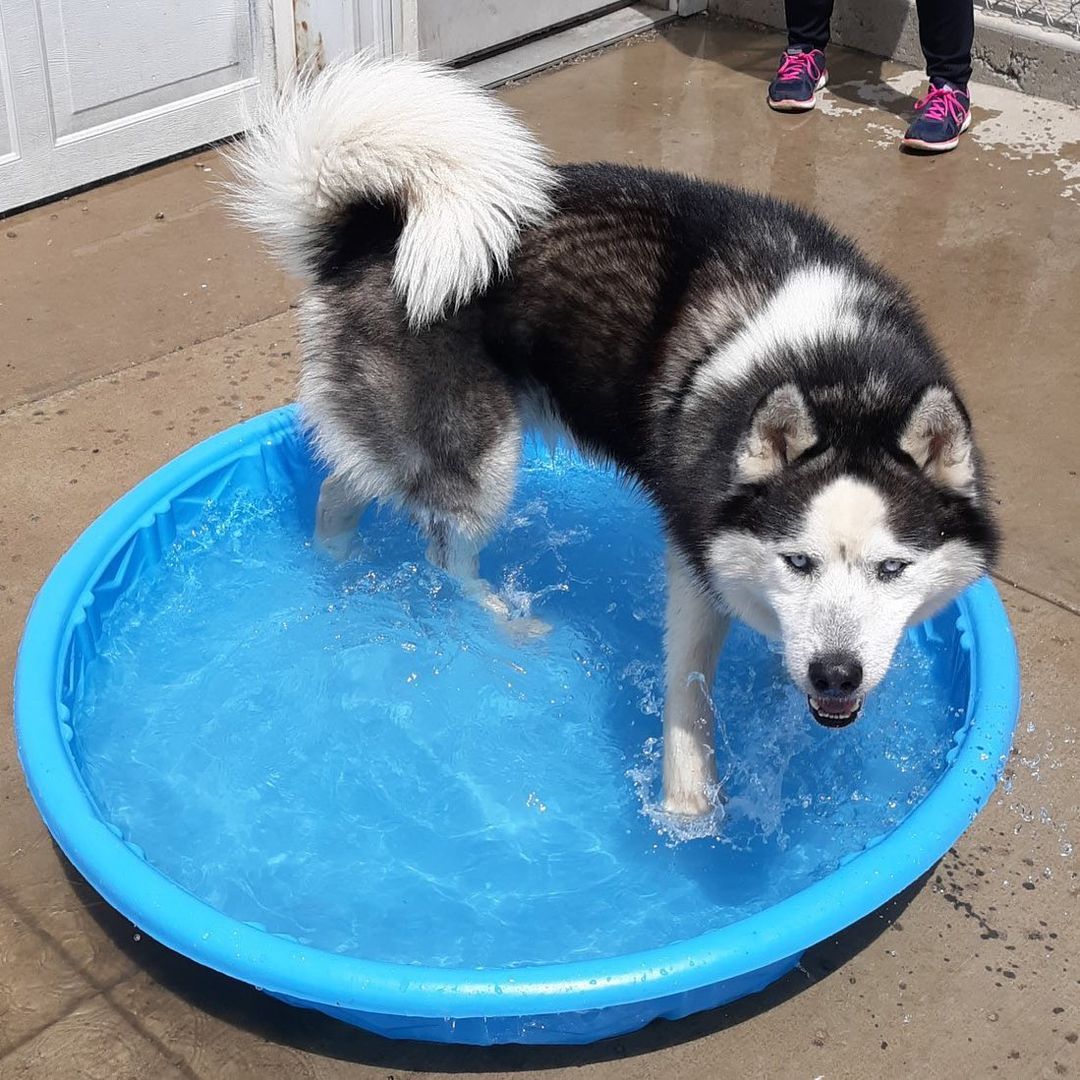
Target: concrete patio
[[135, 321]]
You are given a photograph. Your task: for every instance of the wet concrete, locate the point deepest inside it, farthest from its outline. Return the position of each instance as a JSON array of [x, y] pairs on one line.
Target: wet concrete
[[112, 364], [125, 273]]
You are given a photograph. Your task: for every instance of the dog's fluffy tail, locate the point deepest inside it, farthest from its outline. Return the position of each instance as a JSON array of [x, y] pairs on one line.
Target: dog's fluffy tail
[[459, 170]]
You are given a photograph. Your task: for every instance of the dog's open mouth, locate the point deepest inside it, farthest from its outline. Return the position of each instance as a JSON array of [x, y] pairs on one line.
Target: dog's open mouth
[[834, 712]]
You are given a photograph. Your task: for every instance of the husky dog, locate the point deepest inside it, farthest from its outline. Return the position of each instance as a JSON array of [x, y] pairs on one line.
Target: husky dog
[[774, 393]]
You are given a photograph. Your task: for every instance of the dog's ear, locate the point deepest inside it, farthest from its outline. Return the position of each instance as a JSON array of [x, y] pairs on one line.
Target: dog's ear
[[937, 437], [781, 430]]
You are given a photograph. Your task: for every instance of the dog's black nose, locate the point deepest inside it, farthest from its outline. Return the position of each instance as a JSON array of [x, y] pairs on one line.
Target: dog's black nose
[[837, 673]]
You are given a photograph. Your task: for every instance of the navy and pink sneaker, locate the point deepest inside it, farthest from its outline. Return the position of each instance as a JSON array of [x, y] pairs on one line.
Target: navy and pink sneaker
[[940, 118], [801, 74]]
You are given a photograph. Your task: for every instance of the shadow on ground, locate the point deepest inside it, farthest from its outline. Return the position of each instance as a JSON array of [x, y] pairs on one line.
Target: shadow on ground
[[242, 1006]]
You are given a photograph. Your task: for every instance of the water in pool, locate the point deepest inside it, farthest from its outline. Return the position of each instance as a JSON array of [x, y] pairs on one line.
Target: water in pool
[[354, 755]]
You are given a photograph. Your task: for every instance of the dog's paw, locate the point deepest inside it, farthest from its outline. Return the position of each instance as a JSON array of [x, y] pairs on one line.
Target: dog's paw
[[695, 801], [525, 629], [519, 628], [340, 547], [688, 804]]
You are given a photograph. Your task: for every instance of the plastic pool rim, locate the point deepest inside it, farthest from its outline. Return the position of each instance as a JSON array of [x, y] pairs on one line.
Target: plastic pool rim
[[771, 939]]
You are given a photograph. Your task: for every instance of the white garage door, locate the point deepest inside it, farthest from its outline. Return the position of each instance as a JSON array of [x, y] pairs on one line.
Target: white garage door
[[90, 88]]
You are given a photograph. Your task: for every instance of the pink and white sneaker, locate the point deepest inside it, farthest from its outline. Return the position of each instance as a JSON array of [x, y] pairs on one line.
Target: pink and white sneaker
[[941, 117], [801, 74]]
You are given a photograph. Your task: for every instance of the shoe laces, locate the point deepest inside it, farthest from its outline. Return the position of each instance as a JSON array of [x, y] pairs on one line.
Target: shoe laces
[[941, 102], [796, 66]]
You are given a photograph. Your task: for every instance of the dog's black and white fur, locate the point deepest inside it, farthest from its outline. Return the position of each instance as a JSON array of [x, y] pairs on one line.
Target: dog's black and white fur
[[773, 392]]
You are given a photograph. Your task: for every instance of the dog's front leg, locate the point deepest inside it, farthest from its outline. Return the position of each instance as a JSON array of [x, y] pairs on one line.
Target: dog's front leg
[[693, 637]]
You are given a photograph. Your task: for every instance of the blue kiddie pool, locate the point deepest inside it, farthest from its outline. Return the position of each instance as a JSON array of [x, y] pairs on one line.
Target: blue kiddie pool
[[342, 784]]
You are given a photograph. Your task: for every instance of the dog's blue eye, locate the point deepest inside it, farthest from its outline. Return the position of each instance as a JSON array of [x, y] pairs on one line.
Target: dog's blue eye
[[891, 568], [801, 564]]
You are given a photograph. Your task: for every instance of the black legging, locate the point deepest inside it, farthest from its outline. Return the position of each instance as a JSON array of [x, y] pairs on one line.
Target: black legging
[[946, 31]]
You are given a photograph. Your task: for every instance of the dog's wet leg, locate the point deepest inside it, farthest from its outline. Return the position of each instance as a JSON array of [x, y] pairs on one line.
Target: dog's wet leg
[[453, 551], [693, 637], [337, 517]]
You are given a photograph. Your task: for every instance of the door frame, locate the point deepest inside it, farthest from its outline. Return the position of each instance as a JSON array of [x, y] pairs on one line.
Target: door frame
[[281, 26], [321, 30]]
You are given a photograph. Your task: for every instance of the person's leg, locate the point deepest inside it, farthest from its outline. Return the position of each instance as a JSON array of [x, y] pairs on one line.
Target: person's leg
[[808, 22], [802, 73], [946, 33]]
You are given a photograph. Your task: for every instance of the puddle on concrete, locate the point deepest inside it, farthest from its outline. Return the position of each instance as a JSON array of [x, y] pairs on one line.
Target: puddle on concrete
[[1015, 126]]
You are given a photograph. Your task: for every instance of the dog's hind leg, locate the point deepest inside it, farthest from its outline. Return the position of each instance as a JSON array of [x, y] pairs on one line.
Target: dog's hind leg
[[337, 517], [452, 550], [693, 638]]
